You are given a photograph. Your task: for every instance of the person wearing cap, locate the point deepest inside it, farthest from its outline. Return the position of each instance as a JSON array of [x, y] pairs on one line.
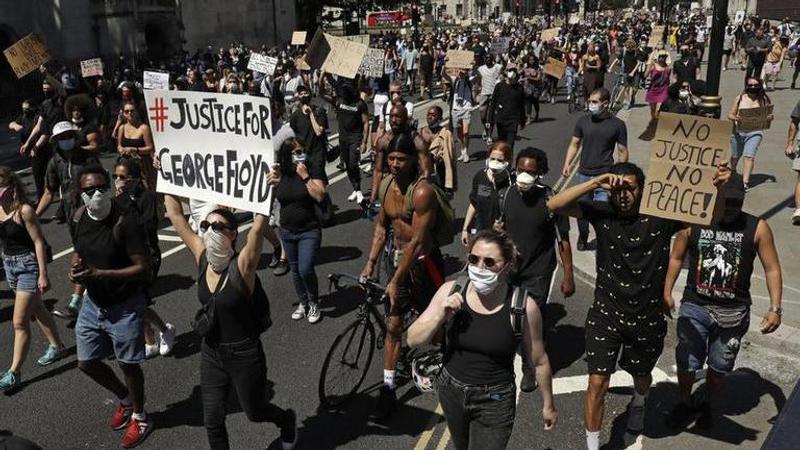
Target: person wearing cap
[[714, 314], [310, 124], [61, 176]]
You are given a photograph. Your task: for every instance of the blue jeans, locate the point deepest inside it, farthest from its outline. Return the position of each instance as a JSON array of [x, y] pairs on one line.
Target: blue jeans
[[570, 74], [301, 251], [118, 330], [599, 195], [700, 338], [478, 417]]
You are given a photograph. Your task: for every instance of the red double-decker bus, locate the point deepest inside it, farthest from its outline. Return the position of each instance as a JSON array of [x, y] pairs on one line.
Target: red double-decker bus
[[387, 18]]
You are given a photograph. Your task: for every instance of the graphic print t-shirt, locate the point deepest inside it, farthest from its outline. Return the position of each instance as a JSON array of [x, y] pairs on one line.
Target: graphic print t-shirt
[[721, 263]]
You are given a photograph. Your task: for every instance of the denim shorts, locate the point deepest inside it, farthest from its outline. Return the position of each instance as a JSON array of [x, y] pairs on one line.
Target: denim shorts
[[745, 144], [116, 330], [22, 272], [700, 338], [599, 195]]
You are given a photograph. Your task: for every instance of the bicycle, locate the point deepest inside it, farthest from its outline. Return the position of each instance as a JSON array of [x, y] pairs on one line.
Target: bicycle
[[617, 102], [350, 356]]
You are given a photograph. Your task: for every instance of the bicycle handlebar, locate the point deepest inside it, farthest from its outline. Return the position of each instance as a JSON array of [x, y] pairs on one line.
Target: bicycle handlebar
[[361, 281]]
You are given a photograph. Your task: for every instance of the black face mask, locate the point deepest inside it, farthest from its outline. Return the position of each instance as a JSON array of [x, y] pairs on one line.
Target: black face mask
[[27, 112], [753, 90]]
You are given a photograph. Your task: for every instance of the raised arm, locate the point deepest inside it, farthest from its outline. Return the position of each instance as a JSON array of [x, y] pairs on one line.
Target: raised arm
[[189, 237], [251, 252]]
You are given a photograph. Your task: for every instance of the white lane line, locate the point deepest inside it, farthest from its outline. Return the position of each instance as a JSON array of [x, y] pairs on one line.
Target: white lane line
[[445, 439], [169, 238], [63, 253], [578, 383]]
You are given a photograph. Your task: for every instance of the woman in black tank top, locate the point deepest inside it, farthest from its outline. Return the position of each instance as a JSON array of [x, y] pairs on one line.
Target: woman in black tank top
[[25, 265], [232, 356], [476, 383]]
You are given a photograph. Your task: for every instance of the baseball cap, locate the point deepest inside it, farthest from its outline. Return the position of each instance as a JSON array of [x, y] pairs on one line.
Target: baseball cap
[[61, 128]]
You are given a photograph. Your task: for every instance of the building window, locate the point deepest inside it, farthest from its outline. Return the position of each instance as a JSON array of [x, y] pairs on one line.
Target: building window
[[459, 10]]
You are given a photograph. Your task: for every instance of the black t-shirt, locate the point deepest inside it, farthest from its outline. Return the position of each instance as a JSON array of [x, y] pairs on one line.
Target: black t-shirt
[[685, 69], [351, 128], [27, 122], [303, 130], [52, 112], [426, 63], [599, 136], [95, 244], [535, 230], [297, 205], [483, 198], [632, 258], [629, 59], [85, 130]]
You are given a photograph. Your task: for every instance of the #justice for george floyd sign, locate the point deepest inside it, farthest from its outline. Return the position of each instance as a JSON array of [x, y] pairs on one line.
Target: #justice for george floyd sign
[[213, 147], [683, 160]]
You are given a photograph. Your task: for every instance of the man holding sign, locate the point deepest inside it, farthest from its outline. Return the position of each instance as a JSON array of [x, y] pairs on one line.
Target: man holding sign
[[632, 257]]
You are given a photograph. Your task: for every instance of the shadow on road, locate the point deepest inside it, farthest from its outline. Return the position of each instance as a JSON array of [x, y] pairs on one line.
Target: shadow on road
[[168, 283], [334, 253]]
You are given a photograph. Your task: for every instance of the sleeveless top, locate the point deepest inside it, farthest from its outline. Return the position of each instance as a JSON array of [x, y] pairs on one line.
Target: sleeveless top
[[232, 311], [15, 238], [128, 142], [480, 348], [721, 263]]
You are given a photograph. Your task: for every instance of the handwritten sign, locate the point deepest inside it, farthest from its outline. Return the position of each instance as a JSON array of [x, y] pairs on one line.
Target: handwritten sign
[[656, 36], [550, 33], [261, 63], [155, 80], [754, 119], [372, 64], [213, 147], [92, 68], [360, 38], [500, 45], [683, 159], [301, 64], [555, 67], [459, 59], [335, 55], [27, 54], [299, 37]]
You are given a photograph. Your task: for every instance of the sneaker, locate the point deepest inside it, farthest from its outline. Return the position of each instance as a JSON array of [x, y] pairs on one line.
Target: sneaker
[[281, 269], [276, 258], [582, 246], [166, 340], [9, 380], [464, 156], [635, 418], [289, 430], [299, 313], [314, 314], [150, 351], [528, 383], [352, 197], [137, 432], [796, 217], [359, 197], [51, 355], [387, 403], [681, 416], [121, 417]]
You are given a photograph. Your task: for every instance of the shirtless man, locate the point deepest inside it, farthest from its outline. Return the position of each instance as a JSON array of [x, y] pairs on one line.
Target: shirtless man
[[417, 260], [398, 122]]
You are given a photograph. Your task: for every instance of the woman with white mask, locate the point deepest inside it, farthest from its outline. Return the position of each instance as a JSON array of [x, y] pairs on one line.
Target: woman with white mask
[[232, 356], [482, 210], [481, 333]]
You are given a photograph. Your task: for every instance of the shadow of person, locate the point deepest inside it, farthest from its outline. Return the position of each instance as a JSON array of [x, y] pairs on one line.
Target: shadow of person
[[345, 217], [186, 345], [187, 412], [337, 303], [650, 132], [761, 178], [171, 282], [564, 345], [335, 253]]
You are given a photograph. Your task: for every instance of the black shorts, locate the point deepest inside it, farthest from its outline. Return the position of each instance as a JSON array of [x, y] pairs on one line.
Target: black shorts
[[727, 52], [641, 339], [422, 282]]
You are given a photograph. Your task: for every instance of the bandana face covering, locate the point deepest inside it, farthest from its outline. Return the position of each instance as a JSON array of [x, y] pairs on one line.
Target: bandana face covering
[[219, 250]]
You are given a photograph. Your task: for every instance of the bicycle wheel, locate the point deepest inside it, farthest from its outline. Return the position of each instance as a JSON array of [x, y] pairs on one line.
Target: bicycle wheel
[[346, 364]]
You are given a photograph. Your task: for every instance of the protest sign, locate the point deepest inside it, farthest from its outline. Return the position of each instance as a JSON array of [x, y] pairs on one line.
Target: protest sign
[[739, 18], [344, 58], [213, 147], [360, 38], [555, 67], [550, 33], [683, 160], [261, 63], [754, 119], [656, 37], [27, 54], [299, 37], [500, 45], [372, 64], [301, 64], [92, 68], [155, 80], [459, 59], [318, 50]]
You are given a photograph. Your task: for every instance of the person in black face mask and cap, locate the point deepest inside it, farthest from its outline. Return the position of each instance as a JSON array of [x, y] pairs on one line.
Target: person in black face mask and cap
[[508, 102], [310, 124]]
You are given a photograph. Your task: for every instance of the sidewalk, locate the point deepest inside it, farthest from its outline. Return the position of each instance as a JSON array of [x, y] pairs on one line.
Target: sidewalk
[[771, 198]]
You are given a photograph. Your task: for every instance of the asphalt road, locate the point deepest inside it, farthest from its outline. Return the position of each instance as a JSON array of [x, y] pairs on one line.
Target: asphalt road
[[59, 407]]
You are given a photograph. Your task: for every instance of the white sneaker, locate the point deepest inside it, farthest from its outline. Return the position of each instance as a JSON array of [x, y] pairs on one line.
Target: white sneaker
[[796, 217], [464, 156], [150, 351], [359, 197], [299, 313], [314, 314], [352, 197], [166, 340]]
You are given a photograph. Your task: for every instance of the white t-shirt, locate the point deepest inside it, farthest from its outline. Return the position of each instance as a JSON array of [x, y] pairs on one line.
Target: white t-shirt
[[489, 78], [380, 100]]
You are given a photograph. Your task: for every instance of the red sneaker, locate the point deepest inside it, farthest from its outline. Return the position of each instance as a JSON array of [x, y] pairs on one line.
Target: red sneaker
[[137, 432], [121, 417]]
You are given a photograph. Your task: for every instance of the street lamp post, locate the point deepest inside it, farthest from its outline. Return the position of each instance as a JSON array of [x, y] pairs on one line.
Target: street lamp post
[[711, 101]]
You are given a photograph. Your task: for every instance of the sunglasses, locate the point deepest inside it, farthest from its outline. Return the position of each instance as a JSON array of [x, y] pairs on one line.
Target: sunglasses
[[91, 190], [488, 262], [216, 226], [122, 177], [127, 111]]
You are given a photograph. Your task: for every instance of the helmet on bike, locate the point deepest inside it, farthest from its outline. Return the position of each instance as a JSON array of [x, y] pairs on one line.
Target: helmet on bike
[[424, 368]]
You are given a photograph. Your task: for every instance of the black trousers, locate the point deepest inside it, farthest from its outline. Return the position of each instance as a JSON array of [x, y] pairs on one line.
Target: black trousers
[[351, 157], [507, 132], [754, 67], [242, 367], [39, 168]]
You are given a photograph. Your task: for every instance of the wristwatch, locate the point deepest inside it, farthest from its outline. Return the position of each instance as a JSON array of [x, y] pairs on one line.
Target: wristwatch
[[777, 309]]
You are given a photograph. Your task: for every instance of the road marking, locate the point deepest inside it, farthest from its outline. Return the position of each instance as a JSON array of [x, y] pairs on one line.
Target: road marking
[[445, 439], [785, 286], [169, 238], [63, 253], [578, 383], [429, 429]]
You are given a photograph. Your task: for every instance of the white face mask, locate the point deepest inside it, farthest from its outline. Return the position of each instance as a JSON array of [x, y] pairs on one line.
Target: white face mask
[[525, 181], [484, 280], [683, 94], [496, 166], [297, 159], [98, 206], [595, 108], [119, 185], [219, 250]]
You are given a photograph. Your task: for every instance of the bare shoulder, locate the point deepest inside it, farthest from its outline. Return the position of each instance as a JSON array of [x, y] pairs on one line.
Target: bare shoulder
[[424, 193]]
